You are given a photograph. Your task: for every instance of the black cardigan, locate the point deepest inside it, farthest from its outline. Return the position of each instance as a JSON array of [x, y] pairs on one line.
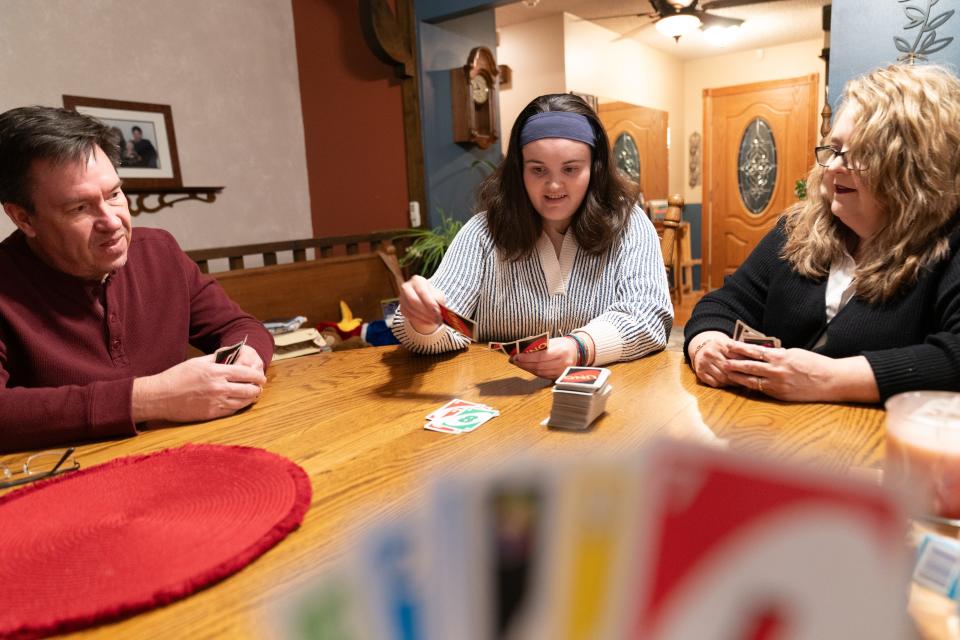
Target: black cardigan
[[912, 341]]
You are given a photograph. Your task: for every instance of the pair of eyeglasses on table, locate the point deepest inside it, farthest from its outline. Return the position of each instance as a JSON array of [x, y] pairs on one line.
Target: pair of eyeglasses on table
[[45, 464]]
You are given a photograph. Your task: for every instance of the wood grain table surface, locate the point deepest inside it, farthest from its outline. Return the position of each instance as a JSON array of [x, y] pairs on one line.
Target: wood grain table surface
[[354, 421]]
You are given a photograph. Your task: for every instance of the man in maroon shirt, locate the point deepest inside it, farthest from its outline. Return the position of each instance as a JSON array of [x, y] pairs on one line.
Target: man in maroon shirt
[[94, 317]]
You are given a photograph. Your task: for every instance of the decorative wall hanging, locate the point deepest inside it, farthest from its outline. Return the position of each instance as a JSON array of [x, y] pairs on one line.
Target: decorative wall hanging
[[926, 24], [148, 151], [694, 159], [474, 91], [148, 146]]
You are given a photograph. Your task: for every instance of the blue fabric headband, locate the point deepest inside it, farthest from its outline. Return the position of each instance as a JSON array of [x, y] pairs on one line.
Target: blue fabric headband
[[557, 124]]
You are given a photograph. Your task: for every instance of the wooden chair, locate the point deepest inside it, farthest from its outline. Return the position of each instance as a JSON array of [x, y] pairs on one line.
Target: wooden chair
[[668, 230], [685, 261]]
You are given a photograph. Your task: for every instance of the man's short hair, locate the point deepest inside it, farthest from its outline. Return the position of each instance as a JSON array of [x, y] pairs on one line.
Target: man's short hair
[[136, 128], [35, 133]]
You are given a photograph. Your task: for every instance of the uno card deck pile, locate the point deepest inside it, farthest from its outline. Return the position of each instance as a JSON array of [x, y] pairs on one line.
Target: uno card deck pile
[[523, 345], [681, 541], [580, 395], [745, 333], [459, 416]]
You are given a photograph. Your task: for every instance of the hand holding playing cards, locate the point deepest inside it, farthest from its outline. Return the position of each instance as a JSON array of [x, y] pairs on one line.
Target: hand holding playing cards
[[708, 357], [798, 374], [550, 362], [420, 304], [248, 357], [196, 389]]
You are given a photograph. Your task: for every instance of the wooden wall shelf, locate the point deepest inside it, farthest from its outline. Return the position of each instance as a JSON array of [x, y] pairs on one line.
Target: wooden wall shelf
[[137, 197]]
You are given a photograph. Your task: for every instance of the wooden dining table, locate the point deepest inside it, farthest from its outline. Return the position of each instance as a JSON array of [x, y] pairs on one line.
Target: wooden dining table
[[354, 421]]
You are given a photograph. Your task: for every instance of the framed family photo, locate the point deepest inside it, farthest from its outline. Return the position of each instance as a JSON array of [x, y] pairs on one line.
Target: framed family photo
[[148, 146]]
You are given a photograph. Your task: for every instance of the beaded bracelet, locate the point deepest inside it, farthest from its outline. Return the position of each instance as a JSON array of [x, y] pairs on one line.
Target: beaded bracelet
[[581, 349]]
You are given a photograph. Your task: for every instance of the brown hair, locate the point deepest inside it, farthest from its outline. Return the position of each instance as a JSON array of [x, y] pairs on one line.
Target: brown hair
[[46, 133], [515, 225], [906, 142]]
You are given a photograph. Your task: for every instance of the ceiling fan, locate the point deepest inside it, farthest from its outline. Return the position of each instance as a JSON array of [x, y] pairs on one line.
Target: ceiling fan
[[677, 18]]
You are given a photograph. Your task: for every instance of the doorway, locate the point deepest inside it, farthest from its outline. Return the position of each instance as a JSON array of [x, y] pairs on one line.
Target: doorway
[[638, 138], [758, 142]]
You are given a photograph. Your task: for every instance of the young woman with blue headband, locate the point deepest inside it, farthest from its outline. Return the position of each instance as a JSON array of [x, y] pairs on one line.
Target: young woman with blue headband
[[559, 246]]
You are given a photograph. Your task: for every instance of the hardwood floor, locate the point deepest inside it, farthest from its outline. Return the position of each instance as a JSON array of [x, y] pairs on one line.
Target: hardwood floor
[[681, 313]]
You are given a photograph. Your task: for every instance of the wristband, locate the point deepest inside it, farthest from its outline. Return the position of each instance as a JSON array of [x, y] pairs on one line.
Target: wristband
[[581, 350]]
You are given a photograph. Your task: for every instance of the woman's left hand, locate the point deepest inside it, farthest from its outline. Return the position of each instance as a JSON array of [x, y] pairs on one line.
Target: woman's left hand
[[785, 374], [550, 362]]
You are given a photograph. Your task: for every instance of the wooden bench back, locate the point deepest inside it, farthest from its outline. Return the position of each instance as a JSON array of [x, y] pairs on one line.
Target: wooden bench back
[[323, 248], [314, 288]]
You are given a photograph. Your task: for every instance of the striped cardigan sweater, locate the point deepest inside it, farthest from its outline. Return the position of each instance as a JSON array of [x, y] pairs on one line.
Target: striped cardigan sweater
[[620, 297]]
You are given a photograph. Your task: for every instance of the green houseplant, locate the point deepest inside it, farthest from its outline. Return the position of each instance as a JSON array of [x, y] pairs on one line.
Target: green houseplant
[[426, 251]]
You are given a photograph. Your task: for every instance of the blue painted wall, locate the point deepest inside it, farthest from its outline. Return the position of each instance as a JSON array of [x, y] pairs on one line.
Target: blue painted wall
[[452, 171], [435, 10], [862, 36], [692, 213]]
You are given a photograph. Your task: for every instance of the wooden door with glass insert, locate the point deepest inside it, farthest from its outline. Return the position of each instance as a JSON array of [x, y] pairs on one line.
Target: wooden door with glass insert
[[758, 141], [638, 138]]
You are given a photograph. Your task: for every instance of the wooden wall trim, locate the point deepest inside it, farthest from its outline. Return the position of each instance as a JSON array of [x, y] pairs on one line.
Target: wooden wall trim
[[393, 39]]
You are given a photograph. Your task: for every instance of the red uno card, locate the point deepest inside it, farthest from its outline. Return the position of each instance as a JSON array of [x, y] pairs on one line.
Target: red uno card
[[763, 341], [582, 378], [737, 547], [533, 343], [497, 346], [461, 324]]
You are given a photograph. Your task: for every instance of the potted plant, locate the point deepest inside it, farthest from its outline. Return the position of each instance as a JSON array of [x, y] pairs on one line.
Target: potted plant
[[426, 250]]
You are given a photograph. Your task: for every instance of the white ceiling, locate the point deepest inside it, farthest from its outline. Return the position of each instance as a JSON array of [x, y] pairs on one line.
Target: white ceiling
[[767, 24]]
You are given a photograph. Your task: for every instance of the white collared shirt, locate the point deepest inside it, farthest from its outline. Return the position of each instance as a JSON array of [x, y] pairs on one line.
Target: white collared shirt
[[839, 289]]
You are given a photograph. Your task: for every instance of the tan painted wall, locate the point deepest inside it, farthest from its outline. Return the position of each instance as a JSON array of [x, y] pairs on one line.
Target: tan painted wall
[[773, 63], [602, 63], [227, 69], [535, 52]]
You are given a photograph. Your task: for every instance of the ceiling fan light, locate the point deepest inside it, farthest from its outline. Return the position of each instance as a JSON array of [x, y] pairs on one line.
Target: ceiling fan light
[[678, 25], [721, 36]]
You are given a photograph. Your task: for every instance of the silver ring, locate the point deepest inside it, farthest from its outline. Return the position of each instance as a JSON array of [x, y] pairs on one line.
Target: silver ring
[[759, 384]]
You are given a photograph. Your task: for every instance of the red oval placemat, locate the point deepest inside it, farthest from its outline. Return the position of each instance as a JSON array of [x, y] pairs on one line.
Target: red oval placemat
[[141, 531]]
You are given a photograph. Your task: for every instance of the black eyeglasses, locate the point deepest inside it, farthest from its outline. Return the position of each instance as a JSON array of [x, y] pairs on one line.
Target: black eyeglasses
[[826, 154], [45, 464]]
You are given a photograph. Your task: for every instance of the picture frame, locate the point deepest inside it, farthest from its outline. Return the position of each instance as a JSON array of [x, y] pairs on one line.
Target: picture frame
[[149, 146]]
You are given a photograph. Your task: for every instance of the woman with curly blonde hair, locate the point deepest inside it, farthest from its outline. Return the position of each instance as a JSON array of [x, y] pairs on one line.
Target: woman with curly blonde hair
[[861, 282]]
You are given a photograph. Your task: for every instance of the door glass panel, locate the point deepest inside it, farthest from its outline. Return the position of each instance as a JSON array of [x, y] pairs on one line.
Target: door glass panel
[[627, 157], [757, 166]]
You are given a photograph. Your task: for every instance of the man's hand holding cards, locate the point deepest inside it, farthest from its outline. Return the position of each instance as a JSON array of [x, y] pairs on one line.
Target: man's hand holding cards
[[229, 355]]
